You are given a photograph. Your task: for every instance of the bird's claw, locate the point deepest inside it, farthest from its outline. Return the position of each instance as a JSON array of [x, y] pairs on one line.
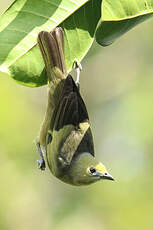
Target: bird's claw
[[78, 68], [41, 150], [41, 164]]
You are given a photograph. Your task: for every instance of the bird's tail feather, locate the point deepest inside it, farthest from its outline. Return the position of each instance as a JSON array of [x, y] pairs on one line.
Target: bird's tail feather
[[52, 48]]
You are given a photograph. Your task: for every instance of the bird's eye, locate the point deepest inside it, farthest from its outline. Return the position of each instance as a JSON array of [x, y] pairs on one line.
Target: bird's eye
[[92, 170]]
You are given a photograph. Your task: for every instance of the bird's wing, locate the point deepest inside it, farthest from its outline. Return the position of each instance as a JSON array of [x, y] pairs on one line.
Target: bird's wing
[[71, 109], [71, 132]]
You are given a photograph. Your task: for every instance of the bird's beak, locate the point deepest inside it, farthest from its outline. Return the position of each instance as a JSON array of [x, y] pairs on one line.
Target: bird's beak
[[105, 176], [108, 177]]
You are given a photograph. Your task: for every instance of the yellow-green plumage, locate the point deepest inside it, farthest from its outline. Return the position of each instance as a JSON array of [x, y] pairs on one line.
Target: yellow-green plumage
[[65, 135]]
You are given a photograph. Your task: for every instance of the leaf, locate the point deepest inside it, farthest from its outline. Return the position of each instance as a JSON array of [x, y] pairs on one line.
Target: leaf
[[120, 16], [20, 57]]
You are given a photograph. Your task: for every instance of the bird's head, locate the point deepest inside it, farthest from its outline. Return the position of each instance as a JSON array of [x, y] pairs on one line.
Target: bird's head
[[85, 169]]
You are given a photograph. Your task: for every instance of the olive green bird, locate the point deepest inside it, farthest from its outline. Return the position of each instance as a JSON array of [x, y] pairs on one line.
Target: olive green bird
[[65, 138]]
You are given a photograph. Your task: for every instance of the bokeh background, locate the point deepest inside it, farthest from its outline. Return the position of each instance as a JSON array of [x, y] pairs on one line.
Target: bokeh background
[[117, 86]]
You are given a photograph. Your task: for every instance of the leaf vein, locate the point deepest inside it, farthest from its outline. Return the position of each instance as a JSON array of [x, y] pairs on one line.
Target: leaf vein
[[74, 2], [39, 15], [56, 5]]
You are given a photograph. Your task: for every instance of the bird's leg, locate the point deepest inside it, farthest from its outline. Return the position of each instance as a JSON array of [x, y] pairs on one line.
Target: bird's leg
[[42, 152], [78, 68]]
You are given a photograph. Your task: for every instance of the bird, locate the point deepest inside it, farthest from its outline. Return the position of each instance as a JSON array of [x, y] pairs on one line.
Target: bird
[[65, 141]]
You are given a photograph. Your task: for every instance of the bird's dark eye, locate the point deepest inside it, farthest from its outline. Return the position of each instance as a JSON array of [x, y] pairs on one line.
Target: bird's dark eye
[[92, 170]]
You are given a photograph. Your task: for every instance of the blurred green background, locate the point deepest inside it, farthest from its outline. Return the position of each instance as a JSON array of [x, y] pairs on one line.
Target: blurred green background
[[117, 86]]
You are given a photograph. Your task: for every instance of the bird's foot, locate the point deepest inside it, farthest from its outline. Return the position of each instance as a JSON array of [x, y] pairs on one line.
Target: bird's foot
[[78, 68], [42, 152], [41, 164]]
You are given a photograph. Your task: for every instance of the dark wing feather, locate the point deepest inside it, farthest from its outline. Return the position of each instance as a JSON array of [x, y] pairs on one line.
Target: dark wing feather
[[71, 109]]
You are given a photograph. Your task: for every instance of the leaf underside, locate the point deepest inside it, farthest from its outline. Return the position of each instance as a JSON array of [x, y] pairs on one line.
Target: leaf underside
[[20, 57]]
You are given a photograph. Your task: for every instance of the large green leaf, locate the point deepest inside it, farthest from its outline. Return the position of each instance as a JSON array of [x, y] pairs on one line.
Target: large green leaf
[[119, 16], [20, 57]]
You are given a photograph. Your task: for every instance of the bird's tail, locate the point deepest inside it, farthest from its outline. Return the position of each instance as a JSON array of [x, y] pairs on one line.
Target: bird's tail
[[52, 49]]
